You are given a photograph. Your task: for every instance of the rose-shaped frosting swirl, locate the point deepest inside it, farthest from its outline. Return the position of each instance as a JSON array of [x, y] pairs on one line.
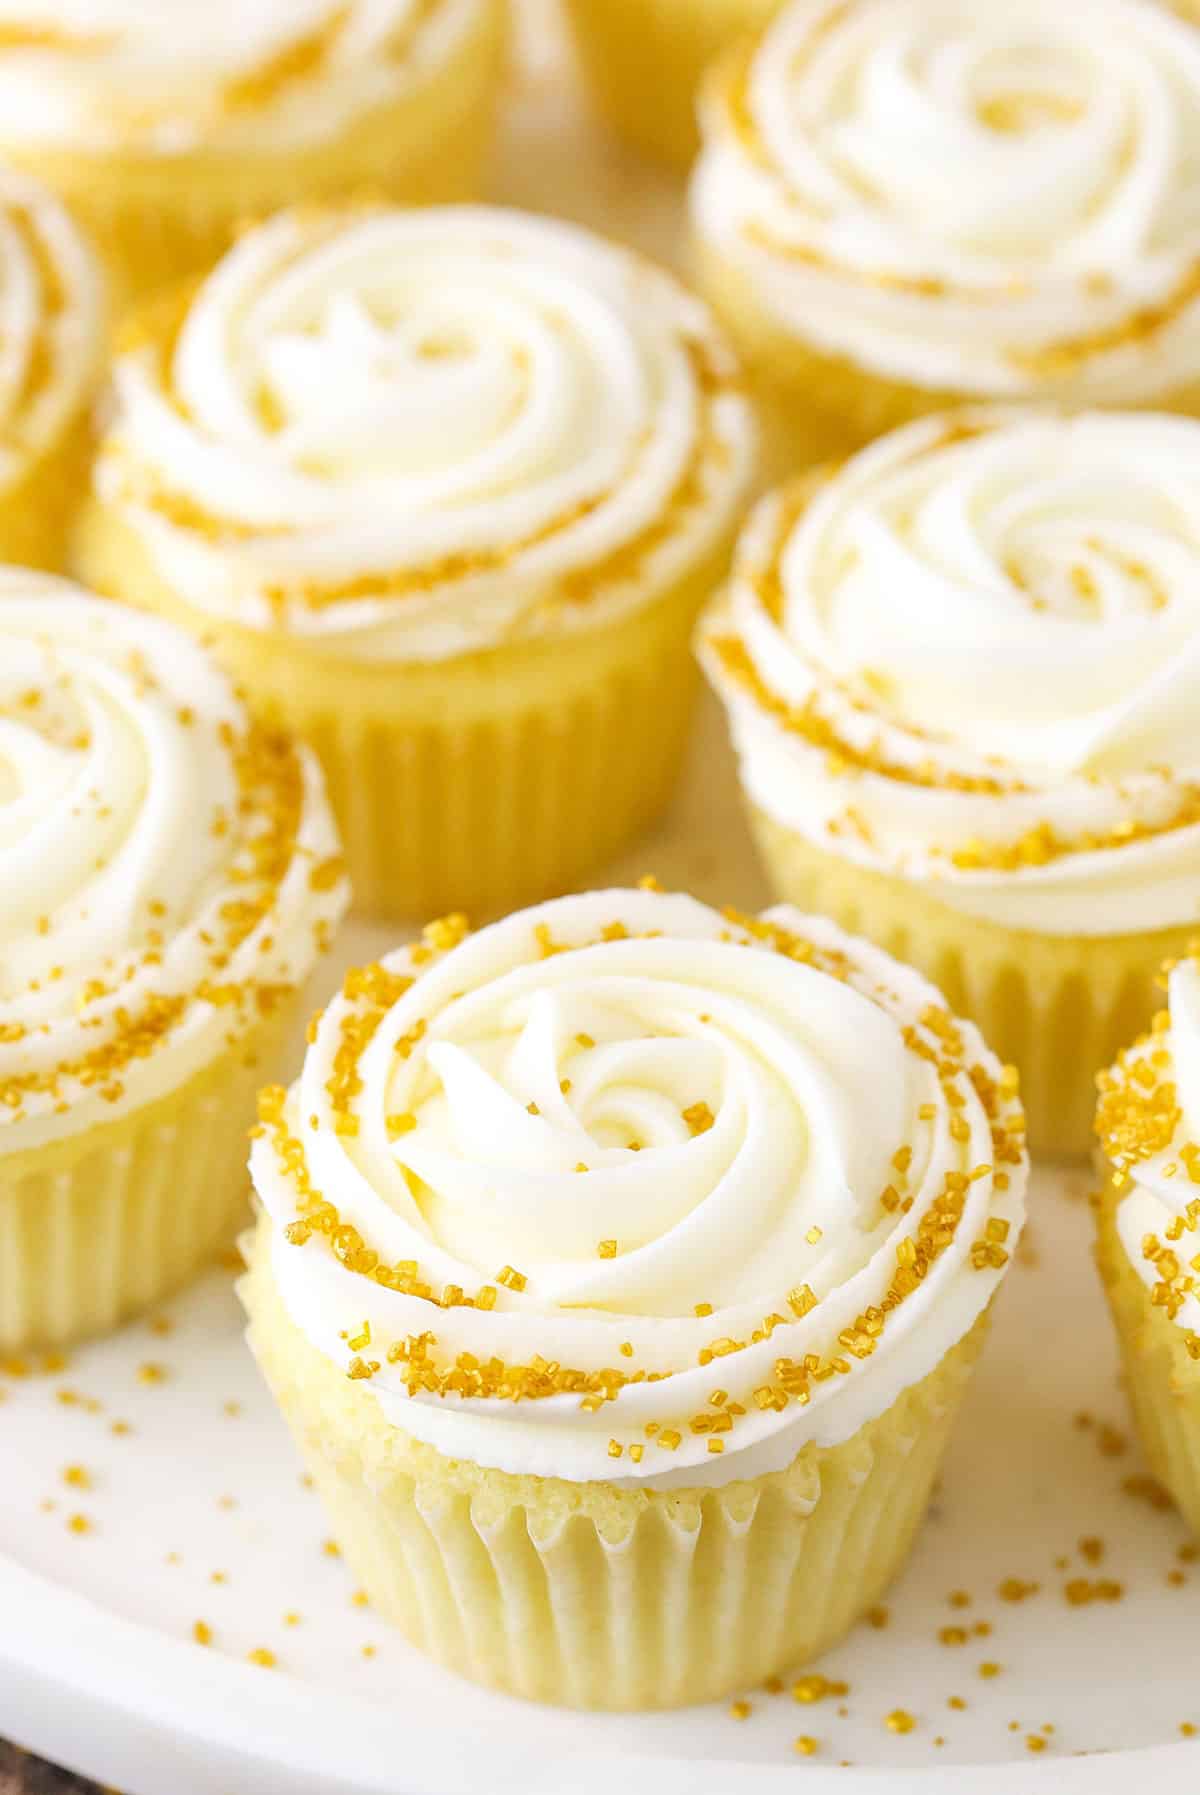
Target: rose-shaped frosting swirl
[[625, 1153], [414, 434], [972, 657], [169, 870], [418, 433], [99, 74], [51, 321], [1148, 1122], [991, 200]]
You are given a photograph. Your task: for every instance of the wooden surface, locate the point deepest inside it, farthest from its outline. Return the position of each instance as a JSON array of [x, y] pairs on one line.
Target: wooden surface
[[23, 1775]]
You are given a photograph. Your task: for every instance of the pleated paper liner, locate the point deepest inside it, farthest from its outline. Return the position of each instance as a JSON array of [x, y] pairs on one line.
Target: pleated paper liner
[[480, 783], [1058, 1007], [644, 60], [591, 1595], [155, 218], [103, 1224], [817, 406], [1162, 1379]]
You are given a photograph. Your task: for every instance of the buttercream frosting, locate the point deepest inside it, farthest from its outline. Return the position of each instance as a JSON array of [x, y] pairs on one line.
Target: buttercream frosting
[[262, 74], [991, 200], [408, 435], [971, 657], [626, 1188], [52, 321], [170, 870]]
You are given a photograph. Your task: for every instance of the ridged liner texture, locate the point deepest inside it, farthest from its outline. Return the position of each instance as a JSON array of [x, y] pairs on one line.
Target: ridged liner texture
[[1162, 1380], [819, 407], [481, 783], [156, 218], [102, 1224], [644, 60], [594, 1596], [1058, 1007]]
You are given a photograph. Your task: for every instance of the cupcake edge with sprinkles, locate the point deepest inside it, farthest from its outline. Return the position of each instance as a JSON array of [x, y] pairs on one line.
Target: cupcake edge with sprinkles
[[172, 873], [1147, 1228]]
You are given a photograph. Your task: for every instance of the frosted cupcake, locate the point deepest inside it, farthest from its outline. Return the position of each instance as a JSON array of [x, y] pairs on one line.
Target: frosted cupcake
[[619, 1273], [1148, 1122], [446, 489], [905, 203], [644, 60], [164, 127], [170, 872], [962, 677], [52, 341]]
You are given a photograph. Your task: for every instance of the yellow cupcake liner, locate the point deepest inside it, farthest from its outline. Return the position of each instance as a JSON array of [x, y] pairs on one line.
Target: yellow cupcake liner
[[36, 510], [480, 783], [644, 59], [155, 218], [819, 407], [1058, 1007], [102, 1224], [596, 1596], [1162, 1380]]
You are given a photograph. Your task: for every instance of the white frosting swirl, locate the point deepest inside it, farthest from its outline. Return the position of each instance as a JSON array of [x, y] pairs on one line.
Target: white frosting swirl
[[1148, 1121], [694, 1137], [166, 79], [414, 434], [169, 871], [984, 199], [972, 658], [52, 322]]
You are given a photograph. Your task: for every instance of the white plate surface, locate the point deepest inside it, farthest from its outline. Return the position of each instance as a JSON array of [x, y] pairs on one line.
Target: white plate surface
[[188, 1506]]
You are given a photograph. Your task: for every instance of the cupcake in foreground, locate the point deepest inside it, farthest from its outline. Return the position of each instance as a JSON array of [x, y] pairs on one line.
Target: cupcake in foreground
[[170, 873], [164, 127], [446, 489], [902, 204], [1148, 1122], [52, 343], [962, 677], [620, 1269], [644, 60]]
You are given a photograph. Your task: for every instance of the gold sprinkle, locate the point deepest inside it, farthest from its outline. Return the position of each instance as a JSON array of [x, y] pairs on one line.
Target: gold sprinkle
[[202, 1632], [900, 1721]]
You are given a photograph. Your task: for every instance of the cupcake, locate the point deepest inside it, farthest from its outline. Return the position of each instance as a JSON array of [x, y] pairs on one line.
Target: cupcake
[[644, 59], [1148, 1122], [164, 127], [446, 489], [619, 1272], [902, 204], [962, 676], [52, 342], [170, 872]]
